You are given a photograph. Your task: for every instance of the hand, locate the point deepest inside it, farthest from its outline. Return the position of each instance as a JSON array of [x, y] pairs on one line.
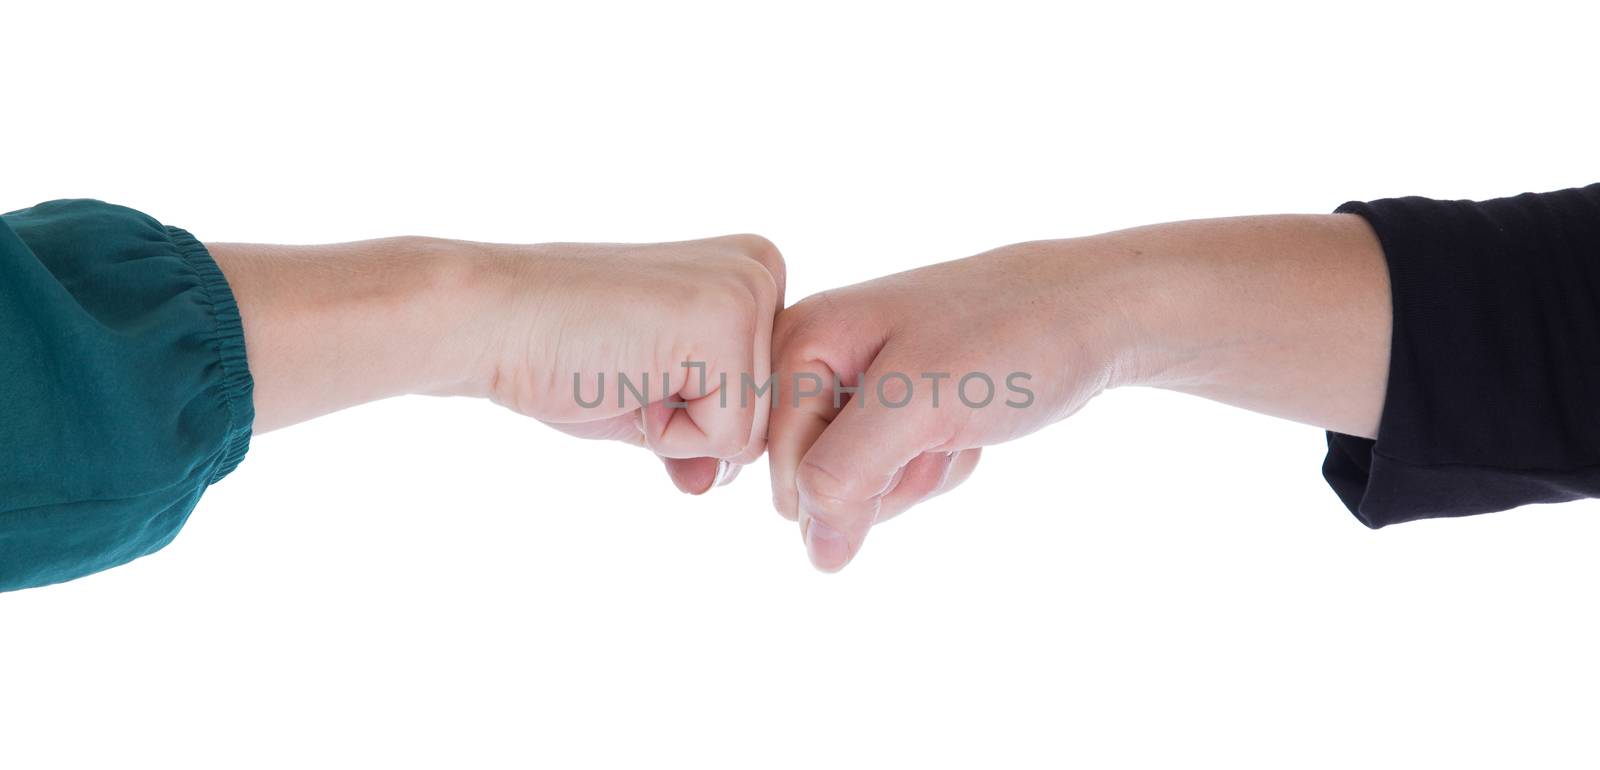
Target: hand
[[1287, 315], [584, 316], [955, 356], [329, 327]]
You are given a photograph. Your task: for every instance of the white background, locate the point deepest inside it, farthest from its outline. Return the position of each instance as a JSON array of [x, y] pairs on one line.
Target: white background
[[1158, 582]]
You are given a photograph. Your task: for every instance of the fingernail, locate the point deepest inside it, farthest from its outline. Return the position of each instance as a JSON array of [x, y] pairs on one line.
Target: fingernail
[[827, 547], [726, 473]]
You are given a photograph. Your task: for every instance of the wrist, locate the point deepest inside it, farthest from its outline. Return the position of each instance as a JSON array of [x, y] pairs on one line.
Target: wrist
[[1112, 312], [443, 310], [1168, 324], [1286, 315], [329, 327]]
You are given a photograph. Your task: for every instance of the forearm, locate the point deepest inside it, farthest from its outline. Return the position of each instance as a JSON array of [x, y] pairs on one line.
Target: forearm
[[1285, 315], [332, 326], [329, 327]]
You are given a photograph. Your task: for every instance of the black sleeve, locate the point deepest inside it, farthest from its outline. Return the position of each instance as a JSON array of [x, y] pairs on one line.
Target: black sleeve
[[1494, 374]]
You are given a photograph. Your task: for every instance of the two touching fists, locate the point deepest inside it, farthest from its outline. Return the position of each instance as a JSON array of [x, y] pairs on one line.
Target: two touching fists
[[868, 399]]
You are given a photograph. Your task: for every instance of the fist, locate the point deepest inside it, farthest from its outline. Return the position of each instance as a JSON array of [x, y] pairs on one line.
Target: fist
[[891, 387], [647, 344]]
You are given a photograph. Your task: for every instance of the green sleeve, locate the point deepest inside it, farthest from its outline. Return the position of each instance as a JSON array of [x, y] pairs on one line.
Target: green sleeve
[[124, 392]]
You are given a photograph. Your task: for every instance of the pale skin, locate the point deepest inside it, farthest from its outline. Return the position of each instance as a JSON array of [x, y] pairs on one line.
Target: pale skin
[[330, 327], [1284, 315]]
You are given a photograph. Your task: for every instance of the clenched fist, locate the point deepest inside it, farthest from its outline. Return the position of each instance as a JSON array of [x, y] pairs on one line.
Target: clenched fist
[[590, 338], [895, 384], [934, 364]]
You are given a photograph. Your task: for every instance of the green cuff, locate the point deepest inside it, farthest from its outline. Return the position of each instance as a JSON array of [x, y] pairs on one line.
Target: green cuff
[[125, 390], [235, 385]]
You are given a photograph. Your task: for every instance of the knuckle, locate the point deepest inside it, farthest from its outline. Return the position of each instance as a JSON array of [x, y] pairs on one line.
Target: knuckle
[[721, 301], [796, 352], [801, 322], [758, 247], [784, 332], [762, 265], [742, 308], [820, 485], [758, 284]]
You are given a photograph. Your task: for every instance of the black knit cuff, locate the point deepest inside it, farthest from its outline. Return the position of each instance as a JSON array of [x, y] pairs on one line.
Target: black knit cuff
[[1493, 396]]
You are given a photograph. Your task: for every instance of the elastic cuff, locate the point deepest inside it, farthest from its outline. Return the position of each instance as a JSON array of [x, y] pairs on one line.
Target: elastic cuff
[[228, 341]]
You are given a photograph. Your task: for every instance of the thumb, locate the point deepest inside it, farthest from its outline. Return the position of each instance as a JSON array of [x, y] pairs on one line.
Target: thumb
[[858, 459], [697, 475]]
